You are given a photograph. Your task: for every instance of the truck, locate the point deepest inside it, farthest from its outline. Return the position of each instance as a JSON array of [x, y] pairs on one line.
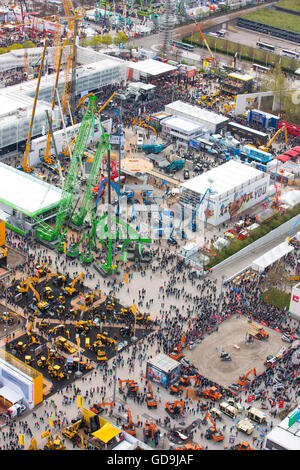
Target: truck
[[16, 410], [174, 166], [154, 148]]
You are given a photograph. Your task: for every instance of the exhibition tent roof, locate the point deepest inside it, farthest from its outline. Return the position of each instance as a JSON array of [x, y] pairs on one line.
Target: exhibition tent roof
[[283, 158], [10, 395], [223, 179], [151, 67], [26, 193], [106, 433], [271, 256]]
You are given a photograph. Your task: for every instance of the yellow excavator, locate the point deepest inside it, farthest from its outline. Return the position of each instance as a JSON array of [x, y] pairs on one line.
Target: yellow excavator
[[71, 290], [71, 432], [267, 148], [52, 444], [41, 304]]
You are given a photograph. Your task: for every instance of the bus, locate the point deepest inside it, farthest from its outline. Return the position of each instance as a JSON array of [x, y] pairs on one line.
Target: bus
[[258, 137], [182, 45], [265, 46], [260, 68], [291, 54], [221, 33]]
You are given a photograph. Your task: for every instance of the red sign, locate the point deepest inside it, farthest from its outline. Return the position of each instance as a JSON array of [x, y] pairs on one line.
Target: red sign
[[295, 298]]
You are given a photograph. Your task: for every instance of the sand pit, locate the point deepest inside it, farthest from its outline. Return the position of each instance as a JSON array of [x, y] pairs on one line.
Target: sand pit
[[245, 356], [136, 165]]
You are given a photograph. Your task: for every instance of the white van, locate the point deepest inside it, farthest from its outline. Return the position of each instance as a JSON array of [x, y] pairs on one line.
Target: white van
[[16, 410]]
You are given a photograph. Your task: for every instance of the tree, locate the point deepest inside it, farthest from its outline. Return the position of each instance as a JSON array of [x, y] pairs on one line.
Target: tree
[[107, 40], [120, 38], [95, 42], [3, 50]]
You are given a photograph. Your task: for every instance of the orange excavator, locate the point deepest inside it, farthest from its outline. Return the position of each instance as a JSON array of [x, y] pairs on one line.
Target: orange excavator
[[185, 380], [129, 427], [98, 407], [132, 387], [176, 354], [175, 408], [151, 431], [151, 402], [176, 389], [243, 379], [213, 433], [243, 446]]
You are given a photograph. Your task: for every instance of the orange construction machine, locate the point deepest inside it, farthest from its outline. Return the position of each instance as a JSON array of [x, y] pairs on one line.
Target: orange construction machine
[[151, 402], [129, 427], [243, 379], [212, 432], [176, 354], [98, 407], [211, 393], [151, 431], [175, 408], [132, 387], [185, 380], [189, 446]]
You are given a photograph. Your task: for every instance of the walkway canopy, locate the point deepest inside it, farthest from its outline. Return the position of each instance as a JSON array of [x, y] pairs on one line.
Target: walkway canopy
[[270, 257]]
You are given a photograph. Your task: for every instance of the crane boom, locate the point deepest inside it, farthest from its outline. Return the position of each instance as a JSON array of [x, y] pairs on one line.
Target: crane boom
[[26, 164], [204, 40]]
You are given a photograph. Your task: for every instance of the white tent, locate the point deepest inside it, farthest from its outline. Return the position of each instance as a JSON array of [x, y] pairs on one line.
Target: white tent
[[10, 395], [291, 198], [271, 256]]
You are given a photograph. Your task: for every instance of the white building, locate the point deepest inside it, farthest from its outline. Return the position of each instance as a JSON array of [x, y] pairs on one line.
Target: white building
[[181, 128], [285, 436], [295, 302], [212, 121], [230, 188]]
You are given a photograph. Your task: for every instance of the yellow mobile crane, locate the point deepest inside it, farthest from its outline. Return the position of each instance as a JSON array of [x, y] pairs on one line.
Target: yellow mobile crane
[[26, 164]]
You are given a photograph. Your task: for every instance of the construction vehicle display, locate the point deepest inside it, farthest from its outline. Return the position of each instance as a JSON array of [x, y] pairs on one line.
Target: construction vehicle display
[[129, 427], [7, 318], [83, 326], [58, 329], [176, 389], [151, 431], [189, 446], [41, 304], [106, 339], [56, 372], [63, 344], [243, 379], [151, 401], [185, 380], [155, 148], [176, 354], [257, 331], [243, 446], [211, 393], [175, 408], [97, 408], [52, 444], [132, 387], [212, 432], [71, 432], [71, 290]]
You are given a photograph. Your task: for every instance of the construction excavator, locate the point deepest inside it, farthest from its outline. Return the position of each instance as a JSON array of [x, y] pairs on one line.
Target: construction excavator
[[185, 380], [97, 408], [243, 379], [59, 280], [83, 326], [129, 427], [175, 408], [41, 304], [176, 354], [52, 444], [176, 388], [212, 432], [71, 290], [151, 402], [71, 432], [243, 446], [132, 387], [266, 148], [151, 431]]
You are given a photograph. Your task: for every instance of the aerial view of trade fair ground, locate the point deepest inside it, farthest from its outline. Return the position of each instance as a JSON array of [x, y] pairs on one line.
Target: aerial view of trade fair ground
[[150, 228]]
